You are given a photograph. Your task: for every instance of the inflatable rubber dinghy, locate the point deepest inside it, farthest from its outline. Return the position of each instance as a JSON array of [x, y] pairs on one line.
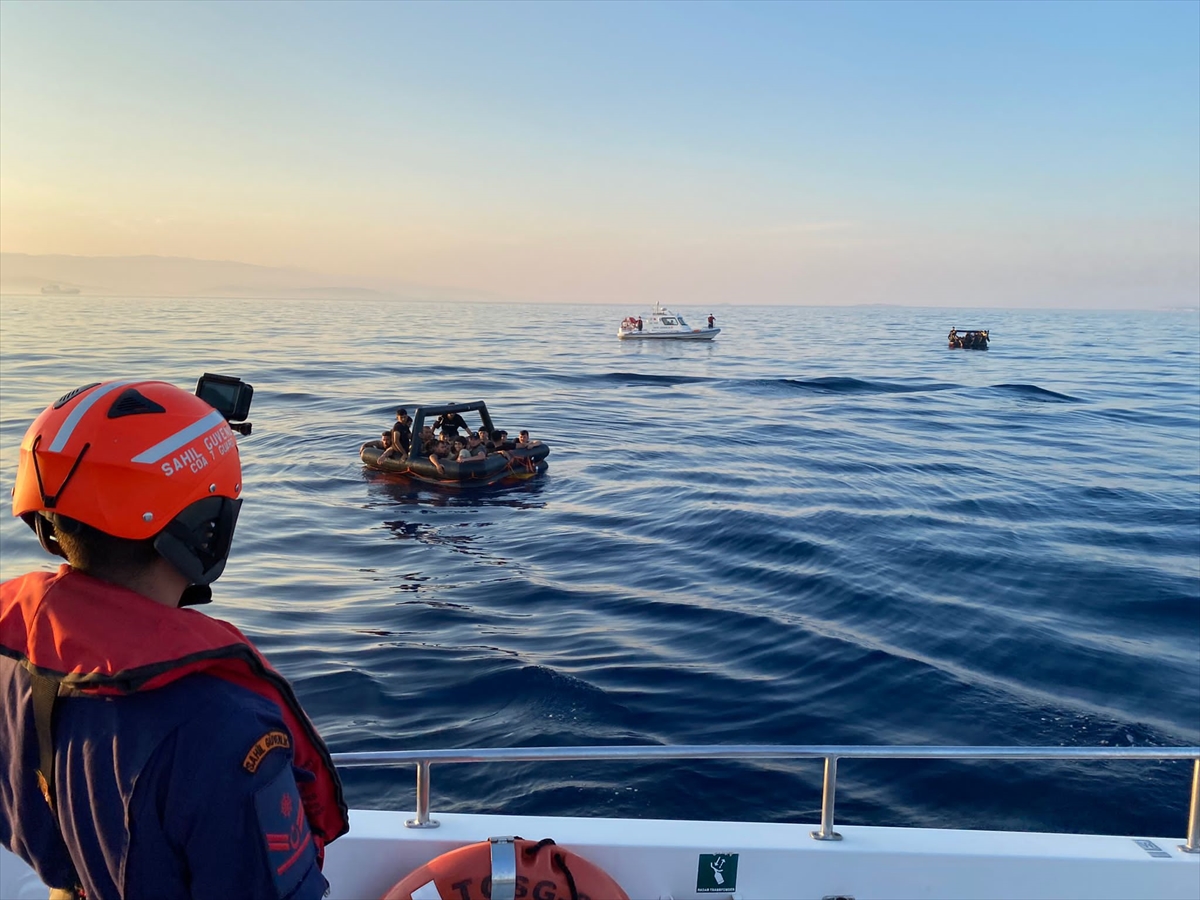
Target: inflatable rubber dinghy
[[514, 462]]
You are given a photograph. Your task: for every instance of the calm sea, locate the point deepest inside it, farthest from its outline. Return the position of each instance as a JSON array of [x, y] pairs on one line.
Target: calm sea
[[823, 527]]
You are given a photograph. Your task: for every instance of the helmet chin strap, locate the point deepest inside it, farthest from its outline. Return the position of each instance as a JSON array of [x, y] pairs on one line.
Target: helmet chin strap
[[44, 529], [41, 523], [43, 526], [49, 501], [195, 595]]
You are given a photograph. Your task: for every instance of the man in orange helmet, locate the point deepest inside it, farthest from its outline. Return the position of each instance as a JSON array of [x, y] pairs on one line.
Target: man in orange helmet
[[147, 750]]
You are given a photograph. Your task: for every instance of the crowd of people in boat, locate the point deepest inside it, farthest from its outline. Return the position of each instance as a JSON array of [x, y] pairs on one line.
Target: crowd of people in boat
[[968, 340], [443, 439]]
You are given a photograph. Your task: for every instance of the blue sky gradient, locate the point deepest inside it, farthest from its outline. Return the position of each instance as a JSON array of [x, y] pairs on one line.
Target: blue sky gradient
[[1026, 154]]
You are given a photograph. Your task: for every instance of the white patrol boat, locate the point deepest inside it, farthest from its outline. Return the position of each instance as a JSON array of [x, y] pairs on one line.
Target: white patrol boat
[[663, 324], [428, 856]]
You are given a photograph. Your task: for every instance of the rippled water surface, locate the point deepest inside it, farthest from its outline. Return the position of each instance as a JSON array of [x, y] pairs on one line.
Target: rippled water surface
[[823, 527]]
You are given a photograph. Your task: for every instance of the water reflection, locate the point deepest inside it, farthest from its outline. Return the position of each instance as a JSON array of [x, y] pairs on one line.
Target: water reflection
[[452, 520], [385, 489], [441, 534]]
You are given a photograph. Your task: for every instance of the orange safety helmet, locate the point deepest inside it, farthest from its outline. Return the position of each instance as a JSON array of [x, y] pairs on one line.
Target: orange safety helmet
[[136, 460]]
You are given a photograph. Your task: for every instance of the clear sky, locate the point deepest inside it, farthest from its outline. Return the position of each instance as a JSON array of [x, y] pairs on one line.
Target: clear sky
[[975, 153]]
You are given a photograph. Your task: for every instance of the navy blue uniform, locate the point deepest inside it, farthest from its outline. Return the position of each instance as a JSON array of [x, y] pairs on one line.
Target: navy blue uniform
[[183, 791]]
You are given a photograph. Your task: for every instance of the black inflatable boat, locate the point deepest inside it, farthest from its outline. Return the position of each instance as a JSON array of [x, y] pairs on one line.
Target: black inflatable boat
[[506, 461], [968, 339]]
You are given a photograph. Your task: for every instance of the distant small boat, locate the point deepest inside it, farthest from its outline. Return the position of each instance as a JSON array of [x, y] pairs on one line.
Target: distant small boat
[[663, 324], [59, 289], [968, 339]]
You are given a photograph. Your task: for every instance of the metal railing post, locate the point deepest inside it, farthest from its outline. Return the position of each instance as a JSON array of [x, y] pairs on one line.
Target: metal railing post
[[1193, 834], [827, 796], [422, 820]]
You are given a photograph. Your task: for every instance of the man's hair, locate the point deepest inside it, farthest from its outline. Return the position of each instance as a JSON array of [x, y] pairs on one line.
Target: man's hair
[[99, 554]]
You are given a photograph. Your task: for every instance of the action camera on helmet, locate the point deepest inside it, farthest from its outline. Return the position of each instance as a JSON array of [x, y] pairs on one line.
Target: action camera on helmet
[[229, 396]]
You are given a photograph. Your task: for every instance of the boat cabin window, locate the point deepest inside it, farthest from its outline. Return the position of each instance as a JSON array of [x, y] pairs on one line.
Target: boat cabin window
[[670, 320]]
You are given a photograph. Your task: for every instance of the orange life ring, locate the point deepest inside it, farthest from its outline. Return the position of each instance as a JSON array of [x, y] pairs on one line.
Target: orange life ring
[[521, 869]]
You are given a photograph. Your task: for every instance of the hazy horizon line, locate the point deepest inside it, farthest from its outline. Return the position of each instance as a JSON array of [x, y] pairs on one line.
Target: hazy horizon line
[[102, 278], [395, 298]]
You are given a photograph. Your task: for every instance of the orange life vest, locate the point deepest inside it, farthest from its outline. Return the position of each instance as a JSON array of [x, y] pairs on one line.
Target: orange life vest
[[77, 630]]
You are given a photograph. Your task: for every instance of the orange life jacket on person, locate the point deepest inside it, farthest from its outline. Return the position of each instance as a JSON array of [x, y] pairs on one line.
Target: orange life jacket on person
[[98, 638]]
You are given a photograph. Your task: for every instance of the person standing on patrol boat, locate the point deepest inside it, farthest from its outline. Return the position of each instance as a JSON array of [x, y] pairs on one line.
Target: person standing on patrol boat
[[147, 750]]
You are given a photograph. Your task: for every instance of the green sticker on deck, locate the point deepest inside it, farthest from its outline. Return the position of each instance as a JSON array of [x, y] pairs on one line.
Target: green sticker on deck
[[716, 872]]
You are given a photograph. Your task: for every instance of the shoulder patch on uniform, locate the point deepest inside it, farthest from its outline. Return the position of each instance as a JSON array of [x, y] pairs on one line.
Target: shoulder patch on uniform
[[286, 837], [272, 740]]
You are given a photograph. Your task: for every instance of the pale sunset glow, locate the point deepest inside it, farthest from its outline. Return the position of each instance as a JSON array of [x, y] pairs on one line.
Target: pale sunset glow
[[968, 154]]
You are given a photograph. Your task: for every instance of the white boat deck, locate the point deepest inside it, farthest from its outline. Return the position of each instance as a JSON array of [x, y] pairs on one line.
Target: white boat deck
[[655, 859], [660, 859]]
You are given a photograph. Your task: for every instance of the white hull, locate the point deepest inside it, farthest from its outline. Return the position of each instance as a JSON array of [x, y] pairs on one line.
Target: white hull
[[667, 859], [660, 859], [695, 334]]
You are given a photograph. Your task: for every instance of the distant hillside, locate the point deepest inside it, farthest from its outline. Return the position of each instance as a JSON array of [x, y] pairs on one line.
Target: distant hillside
[[162, 276]]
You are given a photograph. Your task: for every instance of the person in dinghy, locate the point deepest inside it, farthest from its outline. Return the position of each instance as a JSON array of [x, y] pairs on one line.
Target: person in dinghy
[[147, 750]]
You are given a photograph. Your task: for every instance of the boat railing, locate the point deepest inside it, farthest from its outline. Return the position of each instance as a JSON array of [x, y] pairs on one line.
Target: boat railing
[[424, 760]]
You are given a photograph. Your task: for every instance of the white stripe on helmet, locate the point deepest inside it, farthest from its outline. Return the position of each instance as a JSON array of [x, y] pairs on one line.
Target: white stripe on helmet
[[68, 426], [180, 438]]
